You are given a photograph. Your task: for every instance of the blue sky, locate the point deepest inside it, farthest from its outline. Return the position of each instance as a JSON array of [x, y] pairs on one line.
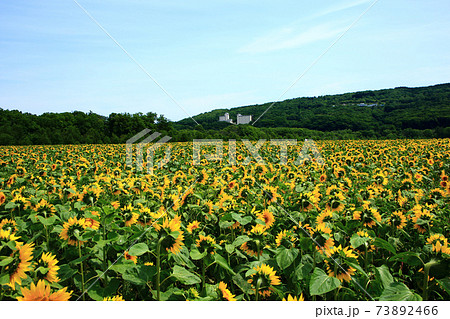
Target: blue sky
[[212, 54]]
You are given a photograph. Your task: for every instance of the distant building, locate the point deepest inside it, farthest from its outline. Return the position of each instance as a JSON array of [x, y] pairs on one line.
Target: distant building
[[241, 119], [244, 119], [225, 118]]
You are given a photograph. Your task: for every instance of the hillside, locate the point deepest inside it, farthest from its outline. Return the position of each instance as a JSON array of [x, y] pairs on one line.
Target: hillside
[[381, 110], [392, 113]]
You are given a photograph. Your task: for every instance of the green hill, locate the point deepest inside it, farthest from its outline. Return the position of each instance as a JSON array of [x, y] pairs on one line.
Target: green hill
[[381, 111], [392, 113]]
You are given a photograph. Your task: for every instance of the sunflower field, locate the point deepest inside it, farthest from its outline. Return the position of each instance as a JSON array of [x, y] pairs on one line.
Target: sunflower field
[[371, 223]]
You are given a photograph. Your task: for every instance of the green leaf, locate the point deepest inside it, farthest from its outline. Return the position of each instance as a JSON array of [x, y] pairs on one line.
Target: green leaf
[[185, 276], [240, 240], [243, 284], [6, 261], [229, 248], [138, 249], [4, 279], [358, 268], [285, 257], [10, 205], [409, 257], [66, 272], [139, 274], [222, 263], [245, 220], [196, 255], [356, 240], [381, 243], [321, 283], [302, 271], [445, 284], [385, 277], [47, 221], [398, 291], [182, 258], [121, 268], [225, 224]]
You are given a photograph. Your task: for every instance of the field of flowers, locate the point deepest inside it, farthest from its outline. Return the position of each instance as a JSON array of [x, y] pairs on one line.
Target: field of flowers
[[372, 223]]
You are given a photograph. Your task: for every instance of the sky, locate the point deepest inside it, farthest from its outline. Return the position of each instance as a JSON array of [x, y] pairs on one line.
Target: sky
[[181, 58]]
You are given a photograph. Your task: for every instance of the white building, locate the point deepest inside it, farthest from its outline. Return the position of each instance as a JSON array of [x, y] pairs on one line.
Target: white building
[[225, 118], [244, 119]]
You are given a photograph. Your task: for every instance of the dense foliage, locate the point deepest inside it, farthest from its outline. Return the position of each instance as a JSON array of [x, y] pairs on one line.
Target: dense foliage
[[393, 113], [73, 219]]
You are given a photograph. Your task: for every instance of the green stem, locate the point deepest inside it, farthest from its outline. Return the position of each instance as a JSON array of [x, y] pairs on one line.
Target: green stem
[[158, 269], [426, 270], [258, 284], [258, 248], [82, 272], [314, 266], [203, 277], [105, 266], [46, 237], [366, 256]]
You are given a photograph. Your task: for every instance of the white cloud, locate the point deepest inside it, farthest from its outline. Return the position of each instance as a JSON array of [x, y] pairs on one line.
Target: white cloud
[[340, 7], [291, 37]]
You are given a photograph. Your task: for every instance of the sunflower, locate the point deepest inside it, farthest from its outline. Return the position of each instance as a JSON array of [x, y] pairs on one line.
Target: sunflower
[[397, 220], [307, 201], [345, 184], [44, 208], [129, 216], [271, 194], [42, 292], [47, 269], [437, 193], [193, 226], [290, 298], [2, 198], [369, 216], [251, 249], [444, 177], [380, 179], [171, 234], [439, 243], [20, 171], [145, 216], [325, 217], [71, 228], [337, 256], [422, 218], [285, 239], [115, 204], [91, 223], [129, 257], [90, 194], [8, 224], [266, 216], [322, 236], [206, 243], [339, 172], [7, 235], [21, 263], [401, 200], [365, 235], [114, 298], [226, 294], [335, 202], [266, 277]]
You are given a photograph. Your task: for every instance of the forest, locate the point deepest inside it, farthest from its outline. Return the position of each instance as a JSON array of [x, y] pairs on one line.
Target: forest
[[402, 112]]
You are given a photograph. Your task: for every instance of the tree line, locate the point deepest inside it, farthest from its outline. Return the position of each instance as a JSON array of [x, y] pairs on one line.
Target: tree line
[[383, 114]]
